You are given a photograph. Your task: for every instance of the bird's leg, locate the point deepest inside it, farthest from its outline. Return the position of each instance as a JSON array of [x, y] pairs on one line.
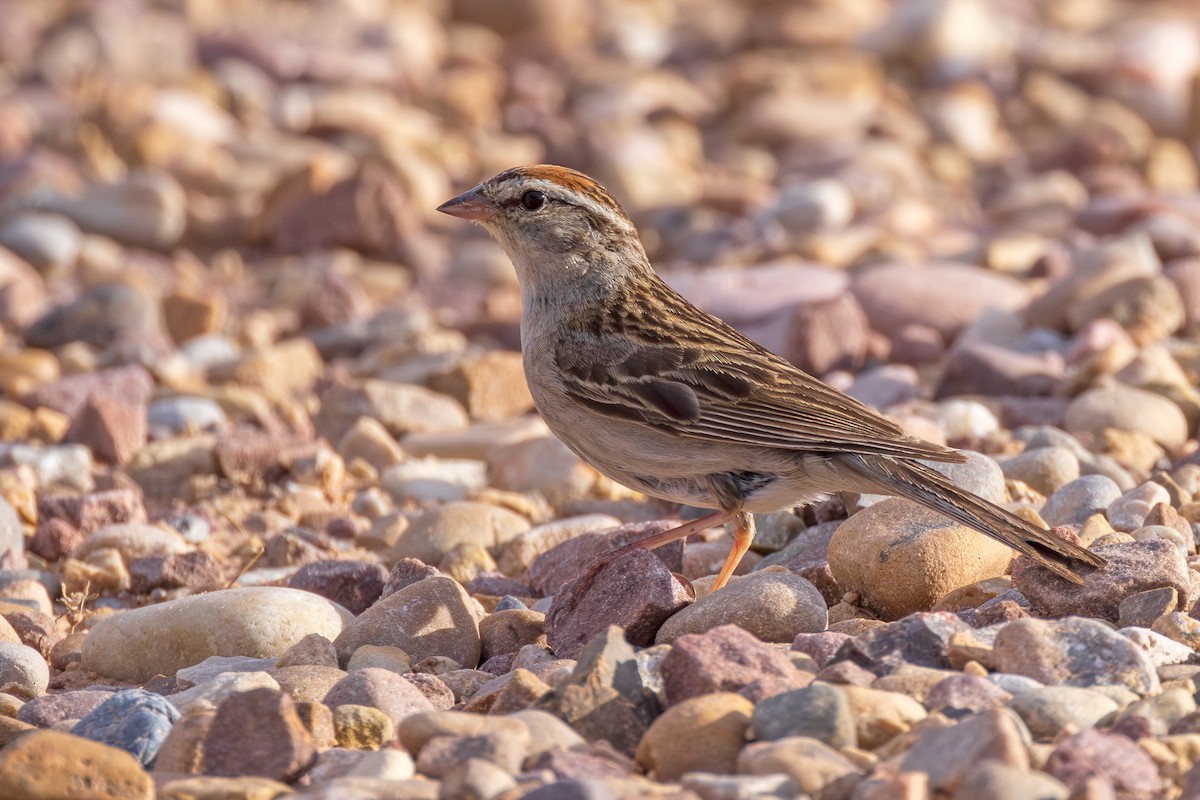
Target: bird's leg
[[743, 535], [683, 531]]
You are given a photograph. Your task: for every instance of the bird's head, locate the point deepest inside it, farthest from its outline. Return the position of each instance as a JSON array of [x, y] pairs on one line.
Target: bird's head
[[555, 224]]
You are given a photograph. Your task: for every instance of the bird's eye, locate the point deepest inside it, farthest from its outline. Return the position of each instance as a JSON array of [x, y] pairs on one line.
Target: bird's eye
[[533, 200]]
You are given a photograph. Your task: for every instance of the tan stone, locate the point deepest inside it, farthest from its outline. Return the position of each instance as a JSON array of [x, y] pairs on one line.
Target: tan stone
[[49, 765], [703, 733], [491, 386]]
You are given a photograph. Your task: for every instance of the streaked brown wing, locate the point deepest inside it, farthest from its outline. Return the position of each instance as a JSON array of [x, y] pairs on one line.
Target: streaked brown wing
[[658, 360]]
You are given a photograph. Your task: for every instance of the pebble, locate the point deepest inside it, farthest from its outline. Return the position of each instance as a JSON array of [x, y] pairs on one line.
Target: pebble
[[705, 732], [214, 691], [477, 778], [1170, 640], [945, 754], [919, 640], [378, 688], [369, 441], [945, 297], [206, 787], [381, 656], [543, 465], [726, 659], [1158, 713], [1094, 753], [1079, 499], [12, 537], [812, 766], [51, 764], [432, 480], [255, 621], [132, 540], [1142, 609], [992, 781], [354, 585], [819, 711], [1129, 511], [23, 669], [546, 732], [49, 709], [634, 590], [434, 616], [307, 683], [402, 408], [439, 531], [361, 727], [312, 650], [215, 666], [507, 631], [49, 242], [1048, 710], [606, 696], [772, 604], [1045, 469], [566, 560], [711, 786], [134, 720], [1132, 567], [1128, 409], [880, 715], [1074, 652], [276, 746], [185, 414], [901, 557], [99, 317], [491, 386]]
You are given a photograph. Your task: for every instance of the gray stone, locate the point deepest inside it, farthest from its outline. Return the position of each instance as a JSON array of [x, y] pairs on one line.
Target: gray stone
[[1074, 502], [133, 720], [819, 711], [1073, 652]]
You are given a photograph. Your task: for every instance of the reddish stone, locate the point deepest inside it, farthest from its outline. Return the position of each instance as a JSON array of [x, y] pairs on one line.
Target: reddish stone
[[258, 732], [825, 335], [1132, 567], [194, 570], [567, 561], [353, 584], [437, 693], [95, 510], [1091, 753], [635, 591], [55, 538], [379, 688], [367, 212], [112, 429], [245, 457], [406, 572], [727, 659], [33, 627], [48, 709], [822, 647], [130, 384]]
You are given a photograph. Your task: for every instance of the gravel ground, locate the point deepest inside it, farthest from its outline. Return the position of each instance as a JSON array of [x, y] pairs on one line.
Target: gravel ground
[[277, 517]]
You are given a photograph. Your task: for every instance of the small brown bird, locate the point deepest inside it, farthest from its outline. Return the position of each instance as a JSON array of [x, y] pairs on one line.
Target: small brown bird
[[669, 400]]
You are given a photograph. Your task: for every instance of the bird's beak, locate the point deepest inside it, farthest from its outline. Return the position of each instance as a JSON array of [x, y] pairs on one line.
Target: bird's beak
[[470, 205]]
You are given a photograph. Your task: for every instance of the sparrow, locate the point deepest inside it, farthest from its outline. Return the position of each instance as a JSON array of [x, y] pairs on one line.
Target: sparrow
[[670, 401]]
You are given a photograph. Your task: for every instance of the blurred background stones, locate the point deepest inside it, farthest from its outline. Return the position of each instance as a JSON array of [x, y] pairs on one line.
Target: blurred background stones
[[251, 381]]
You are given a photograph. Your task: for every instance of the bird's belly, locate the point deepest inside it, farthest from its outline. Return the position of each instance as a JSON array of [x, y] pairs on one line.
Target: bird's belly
[[682, 469]]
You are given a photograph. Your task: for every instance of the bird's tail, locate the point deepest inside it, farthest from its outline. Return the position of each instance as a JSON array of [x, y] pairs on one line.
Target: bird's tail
[[915, 481]]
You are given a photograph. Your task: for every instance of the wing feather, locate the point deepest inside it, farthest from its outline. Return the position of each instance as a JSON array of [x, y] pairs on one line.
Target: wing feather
[[660, 361]]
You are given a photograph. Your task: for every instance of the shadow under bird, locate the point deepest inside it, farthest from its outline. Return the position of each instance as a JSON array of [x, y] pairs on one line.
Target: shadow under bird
[[670, 401]]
